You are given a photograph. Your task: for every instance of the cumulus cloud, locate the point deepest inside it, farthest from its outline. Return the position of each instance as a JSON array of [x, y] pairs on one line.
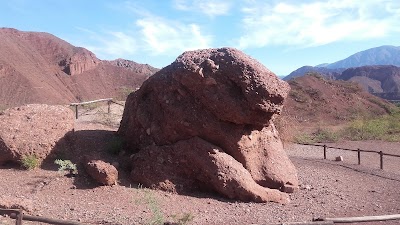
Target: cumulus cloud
[[317, 22], [161, 36], [209, 7]]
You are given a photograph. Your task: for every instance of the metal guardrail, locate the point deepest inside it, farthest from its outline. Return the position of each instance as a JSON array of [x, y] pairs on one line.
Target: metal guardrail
[[381, 154]]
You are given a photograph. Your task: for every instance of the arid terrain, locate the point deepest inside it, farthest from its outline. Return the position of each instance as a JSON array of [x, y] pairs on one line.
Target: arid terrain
[[40, 68], [328, 189]]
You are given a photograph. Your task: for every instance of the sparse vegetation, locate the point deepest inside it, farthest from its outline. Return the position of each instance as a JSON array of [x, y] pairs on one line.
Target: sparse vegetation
[[388, 107], [30, 162], [383, 128], [158, 217], [66, 165], [386, 128], [298, 96], [315, 74], [321, 135], [183, 219]]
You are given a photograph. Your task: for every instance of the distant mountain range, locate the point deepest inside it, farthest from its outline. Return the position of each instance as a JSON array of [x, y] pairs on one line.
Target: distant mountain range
[[376, 69], [38, 67]]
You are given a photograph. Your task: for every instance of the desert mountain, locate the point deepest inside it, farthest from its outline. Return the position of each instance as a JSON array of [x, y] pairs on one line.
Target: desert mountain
[[383, 81], [38, 67], [383, 55], [330, 73], [316, 100], [374, 69]]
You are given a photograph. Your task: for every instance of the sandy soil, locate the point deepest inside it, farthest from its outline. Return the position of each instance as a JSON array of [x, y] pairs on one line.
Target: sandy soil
[[328, 189]]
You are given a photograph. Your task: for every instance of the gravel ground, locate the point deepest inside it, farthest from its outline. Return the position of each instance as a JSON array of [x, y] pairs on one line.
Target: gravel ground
[[328, 189]]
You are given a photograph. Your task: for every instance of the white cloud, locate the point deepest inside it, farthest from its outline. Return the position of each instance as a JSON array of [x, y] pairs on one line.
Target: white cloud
[[209, 7], [161, 36], [111, 44], [150, 35], [317, 22]]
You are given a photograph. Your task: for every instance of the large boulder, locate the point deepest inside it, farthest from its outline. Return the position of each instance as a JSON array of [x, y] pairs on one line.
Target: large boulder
[[33, 130], [224, 98]]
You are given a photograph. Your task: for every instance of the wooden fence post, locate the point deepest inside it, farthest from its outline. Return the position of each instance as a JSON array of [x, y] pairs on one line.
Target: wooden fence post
[[381, 156], [76, 111], [324, 151], [359, 156]]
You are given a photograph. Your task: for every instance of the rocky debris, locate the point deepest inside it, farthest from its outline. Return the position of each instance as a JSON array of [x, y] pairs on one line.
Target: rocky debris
[[7, 202], [222, 97], [102, 172], [34, 130]]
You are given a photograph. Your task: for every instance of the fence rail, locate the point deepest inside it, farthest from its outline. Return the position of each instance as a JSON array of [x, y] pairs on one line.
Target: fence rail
[[19, 216], [381, 154]]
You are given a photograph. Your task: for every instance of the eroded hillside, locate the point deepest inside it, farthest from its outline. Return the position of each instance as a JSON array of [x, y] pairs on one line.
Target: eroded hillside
[[41, 68]]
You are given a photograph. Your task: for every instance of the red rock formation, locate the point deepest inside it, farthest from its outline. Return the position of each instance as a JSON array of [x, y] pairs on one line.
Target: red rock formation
[[223, 97], [102, 172], [80, 62], [33, 130]]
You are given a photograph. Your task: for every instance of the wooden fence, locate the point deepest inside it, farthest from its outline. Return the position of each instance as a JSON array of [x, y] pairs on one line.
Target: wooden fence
[[380, 153], [19, 216], [108, 100]]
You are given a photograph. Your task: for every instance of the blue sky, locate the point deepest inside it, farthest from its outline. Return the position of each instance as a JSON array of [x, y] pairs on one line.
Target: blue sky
[[283, 35]]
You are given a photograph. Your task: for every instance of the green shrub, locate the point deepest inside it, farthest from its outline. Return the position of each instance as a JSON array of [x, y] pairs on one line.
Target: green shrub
[[158, 218], [66, 165], [30, 162], [383, 128]]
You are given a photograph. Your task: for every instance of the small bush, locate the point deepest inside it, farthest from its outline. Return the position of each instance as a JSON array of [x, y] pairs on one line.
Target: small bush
[[66, 165], [30, 162]]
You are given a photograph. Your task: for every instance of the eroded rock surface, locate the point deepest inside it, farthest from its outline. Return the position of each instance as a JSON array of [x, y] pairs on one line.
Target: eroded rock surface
[[224, 98], [34, 130]]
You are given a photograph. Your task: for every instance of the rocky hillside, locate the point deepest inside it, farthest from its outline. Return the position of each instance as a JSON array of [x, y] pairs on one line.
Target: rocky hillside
[[376, 70], [329, 73], [41, 68], [316, 101], [379, 80]]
